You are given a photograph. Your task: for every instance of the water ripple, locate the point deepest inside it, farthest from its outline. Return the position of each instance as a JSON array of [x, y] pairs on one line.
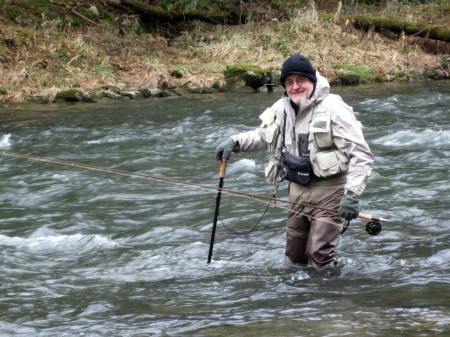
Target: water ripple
[[99, 254]]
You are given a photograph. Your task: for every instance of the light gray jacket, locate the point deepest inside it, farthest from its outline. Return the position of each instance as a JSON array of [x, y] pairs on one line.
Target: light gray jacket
[[345, 128]]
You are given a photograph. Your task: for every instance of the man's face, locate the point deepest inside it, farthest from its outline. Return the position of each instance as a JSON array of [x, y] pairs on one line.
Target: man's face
[[298, 87]]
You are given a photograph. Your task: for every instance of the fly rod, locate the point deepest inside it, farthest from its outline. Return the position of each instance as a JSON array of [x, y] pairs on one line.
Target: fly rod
[[260, 198]]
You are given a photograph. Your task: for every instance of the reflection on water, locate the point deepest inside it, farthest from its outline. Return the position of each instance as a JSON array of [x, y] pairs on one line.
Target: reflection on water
[[91, 253]]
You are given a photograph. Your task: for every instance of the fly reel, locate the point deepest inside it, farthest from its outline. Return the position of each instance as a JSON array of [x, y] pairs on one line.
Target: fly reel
[[373, 227]]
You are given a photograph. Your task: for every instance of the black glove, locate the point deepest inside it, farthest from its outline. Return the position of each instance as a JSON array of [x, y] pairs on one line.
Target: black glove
[[349, 207], [223, 151]]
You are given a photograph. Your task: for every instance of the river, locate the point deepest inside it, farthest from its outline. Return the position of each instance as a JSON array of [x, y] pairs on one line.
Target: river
[[89, 253]]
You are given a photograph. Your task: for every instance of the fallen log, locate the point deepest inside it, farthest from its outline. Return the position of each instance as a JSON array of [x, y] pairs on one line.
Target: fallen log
[[162, 15], [393, 25]]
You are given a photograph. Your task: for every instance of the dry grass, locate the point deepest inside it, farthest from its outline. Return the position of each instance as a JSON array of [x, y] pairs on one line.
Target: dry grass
[[327, 44], [44, 60]]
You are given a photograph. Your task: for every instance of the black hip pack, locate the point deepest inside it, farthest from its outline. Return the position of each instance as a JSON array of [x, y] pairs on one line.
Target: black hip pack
[[296, 169]]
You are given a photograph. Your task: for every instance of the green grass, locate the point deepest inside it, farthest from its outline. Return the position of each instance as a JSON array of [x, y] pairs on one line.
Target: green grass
[[366, 73]]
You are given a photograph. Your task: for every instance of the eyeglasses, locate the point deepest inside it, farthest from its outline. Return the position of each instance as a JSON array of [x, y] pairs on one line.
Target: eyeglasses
[[299, 80]]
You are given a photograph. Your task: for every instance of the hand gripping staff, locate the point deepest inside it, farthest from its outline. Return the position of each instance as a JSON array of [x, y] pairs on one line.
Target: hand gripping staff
[[223, 169]]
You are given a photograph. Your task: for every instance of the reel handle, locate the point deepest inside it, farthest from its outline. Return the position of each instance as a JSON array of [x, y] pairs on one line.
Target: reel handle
[[369, 217], [365, 216]]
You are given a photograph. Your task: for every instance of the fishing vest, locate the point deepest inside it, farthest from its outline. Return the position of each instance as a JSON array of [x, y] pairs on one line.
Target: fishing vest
[[273, 120], [326, 159]]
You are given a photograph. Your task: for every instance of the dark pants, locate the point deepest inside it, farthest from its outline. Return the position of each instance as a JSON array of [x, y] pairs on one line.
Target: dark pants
[[313, 240]]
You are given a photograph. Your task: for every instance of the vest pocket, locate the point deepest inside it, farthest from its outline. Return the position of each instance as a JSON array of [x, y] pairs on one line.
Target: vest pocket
[[320, 130], [272, 170], [332, 162], [271, 133]]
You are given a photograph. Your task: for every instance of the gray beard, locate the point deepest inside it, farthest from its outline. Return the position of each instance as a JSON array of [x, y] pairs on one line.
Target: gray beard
[[296, 102]]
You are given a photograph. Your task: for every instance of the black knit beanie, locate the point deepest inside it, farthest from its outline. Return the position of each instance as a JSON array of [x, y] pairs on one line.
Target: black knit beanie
[[299, 65]]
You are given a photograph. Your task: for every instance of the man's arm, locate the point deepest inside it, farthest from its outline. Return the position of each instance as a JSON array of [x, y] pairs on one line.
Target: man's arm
[[349, 139]]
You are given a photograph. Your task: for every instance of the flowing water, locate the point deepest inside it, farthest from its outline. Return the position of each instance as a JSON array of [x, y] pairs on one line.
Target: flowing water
[[88, 253]]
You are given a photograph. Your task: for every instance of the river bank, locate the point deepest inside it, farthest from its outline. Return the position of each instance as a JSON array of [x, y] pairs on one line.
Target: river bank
[[40, 61]]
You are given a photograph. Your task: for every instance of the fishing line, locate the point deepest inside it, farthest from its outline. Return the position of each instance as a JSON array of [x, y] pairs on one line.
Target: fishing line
[[296, 212], [251, 196], [151, 177], [257, 223]]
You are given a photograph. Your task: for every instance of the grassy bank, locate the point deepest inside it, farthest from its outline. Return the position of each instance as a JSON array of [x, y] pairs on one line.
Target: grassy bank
[[38, 60]]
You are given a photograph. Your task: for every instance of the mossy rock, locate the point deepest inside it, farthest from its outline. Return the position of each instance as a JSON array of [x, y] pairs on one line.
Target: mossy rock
[[237, 85], [355, 74], [347, 78], [149, 93], [203, 91], [239, 70], [3, 91], [72, 95], [132, 94], [436, 75], [176, 73], [254, 76]]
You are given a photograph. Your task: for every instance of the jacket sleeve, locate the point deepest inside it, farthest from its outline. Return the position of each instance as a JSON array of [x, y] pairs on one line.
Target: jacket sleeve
[[250, 141], [259, 138], [349, 139]]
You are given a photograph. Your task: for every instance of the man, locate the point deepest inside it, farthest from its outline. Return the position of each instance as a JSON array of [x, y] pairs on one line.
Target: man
[[317, 144]]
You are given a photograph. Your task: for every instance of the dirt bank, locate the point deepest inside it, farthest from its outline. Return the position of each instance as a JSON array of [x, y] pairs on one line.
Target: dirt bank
[[39, 60]]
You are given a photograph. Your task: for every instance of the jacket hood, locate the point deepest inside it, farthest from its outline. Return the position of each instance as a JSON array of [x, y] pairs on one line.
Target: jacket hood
[[321, 90]]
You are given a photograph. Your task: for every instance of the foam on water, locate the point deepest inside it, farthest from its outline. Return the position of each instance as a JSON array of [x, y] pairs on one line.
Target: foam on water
[[108, 140], [441, 258], [242, 165], [5, 142], [59, 243], [16, 329]]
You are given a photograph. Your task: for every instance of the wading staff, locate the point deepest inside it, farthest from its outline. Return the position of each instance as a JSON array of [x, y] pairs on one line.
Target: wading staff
[[223, 169]]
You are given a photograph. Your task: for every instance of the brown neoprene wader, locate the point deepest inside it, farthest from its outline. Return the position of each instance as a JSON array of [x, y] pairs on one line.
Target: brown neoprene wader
[[313, 240]]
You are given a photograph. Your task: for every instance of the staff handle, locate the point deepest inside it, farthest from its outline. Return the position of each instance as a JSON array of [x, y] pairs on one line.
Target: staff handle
[[223, 168]]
